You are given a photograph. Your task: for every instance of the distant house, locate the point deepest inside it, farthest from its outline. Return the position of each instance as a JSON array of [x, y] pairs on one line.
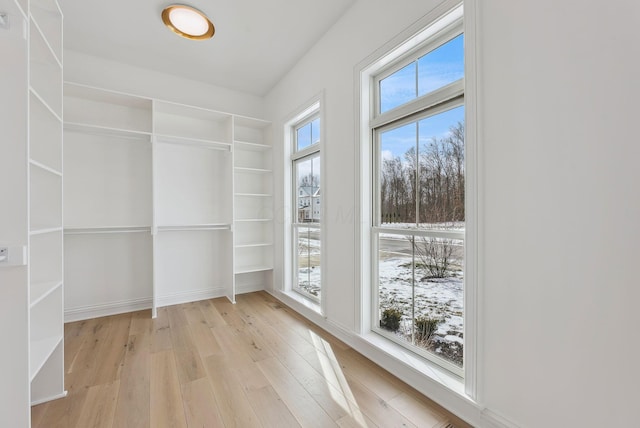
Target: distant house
[[309, 205]]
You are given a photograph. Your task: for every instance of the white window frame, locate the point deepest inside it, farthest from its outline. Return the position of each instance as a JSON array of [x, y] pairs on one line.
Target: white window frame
[[420, 37], [307, 115], [377, 229]]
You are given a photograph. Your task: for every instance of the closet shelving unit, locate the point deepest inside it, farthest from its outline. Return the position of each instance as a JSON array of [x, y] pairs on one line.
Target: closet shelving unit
[[192, 203], [151, 218], [253, 204], [107, 199], [46, 332]]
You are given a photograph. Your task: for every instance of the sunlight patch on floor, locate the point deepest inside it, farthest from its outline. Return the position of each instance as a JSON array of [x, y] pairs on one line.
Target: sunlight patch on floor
[[336, 381]]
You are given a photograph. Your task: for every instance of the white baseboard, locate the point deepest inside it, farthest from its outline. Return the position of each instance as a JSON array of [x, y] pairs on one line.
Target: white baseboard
[[44, 400], [248, 288], [190, 296], [105, 309], [493, 420]]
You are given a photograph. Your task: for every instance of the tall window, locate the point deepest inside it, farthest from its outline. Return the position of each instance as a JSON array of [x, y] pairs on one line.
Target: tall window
[[418, 200], [307, 207]]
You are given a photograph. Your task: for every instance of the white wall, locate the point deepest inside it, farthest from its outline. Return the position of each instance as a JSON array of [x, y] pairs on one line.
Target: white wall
[[559, 101], [14, 332], [559, 197], [107, 74]]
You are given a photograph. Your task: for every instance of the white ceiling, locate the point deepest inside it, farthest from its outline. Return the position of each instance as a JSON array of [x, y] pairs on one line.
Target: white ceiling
[[255, 44]]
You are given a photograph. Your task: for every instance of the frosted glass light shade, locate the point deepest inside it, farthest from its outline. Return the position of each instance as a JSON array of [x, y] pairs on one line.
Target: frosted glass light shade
[[188, 22]]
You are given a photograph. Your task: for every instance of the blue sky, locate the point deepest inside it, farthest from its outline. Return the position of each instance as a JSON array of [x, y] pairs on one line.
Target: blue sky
[[305, 135], [308, 133], [397, 141], [438, 68], [434, 70]]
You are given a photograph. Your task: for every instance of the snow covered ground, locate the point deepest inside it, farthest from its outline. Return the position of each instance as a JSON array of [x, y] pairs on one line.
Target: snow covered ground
[[309, 270], [436, 298], [309, 280], [440, 298]]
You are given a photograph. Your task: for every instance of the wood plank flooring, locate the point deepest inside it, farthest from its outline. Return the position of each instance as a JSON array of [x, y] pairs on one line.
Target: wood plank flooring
[[215, 364]]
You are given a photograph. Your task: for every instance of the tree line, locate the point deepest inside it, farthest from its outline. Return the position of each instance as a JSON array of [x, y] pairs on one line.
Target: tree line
[[431, 178]]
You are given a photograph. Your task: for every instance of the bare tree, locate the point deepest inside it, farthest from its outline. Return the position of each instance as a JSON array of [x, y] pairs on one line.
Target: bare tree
[[435, 255], [432, 177], [395, 195]]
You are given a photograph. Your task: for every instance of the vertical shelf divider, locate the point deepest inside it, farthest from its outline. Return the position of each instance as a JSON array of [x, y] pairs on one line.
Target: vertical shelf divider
[[154, 222], [231, 178]]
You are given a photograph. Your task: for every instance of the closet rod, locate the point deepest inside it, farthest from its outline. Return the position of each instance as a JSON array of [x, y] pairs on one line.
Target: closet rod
[[105, 230]]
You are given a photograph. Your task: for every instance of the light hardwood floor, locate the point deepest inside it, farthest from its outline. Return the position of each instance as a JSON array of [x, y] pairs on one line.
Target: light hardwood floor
[[215, 364]]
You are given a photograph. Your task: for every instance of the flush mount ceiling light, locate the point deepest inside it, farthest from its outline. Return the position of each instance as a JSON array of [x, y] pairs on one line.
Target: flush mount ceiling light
[[188, 22]]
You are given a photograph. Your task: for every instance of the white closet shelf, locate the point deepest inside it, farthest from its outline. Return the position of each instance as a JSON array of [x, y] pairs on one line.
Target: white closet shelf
[[252, 170], [86, 128], [105, 229], [247, 220], [43, 5], [254, 195], [200, 113], [46, 41], [22, 12], [44, 230], [41, 350], [194, 142], [35, 93], [246, 145], [250, 269], [106, 96], [41, 290], [255, 245], [45, 167], [194, 227], [251, 122]]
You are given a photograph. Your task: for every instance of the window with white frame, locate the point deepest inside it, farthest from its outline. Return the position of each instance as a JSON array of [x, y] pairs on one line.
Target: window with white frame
[[417, 228], [307, 206]]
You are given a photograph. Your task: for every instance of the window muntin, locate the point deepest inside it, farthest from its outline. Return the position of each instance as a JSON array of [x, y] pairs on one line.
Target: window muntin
[[418, 219], [307, 208], [436, 69]]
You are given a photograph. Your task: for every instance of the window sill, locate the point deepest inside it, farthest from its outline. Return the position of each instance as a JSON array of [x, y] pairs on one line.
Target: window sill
[[304, 301], [412, 361]]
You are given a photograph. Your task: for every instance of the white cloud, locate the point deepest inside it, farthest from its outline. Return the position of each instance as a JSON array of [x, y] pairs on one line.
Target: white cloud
[[386, 155]]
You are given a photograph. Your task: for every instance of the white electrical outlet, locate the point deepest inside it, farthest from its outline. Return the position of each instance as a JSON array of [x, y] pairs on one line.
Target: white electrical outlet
[[13, 255], [4, 20]]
